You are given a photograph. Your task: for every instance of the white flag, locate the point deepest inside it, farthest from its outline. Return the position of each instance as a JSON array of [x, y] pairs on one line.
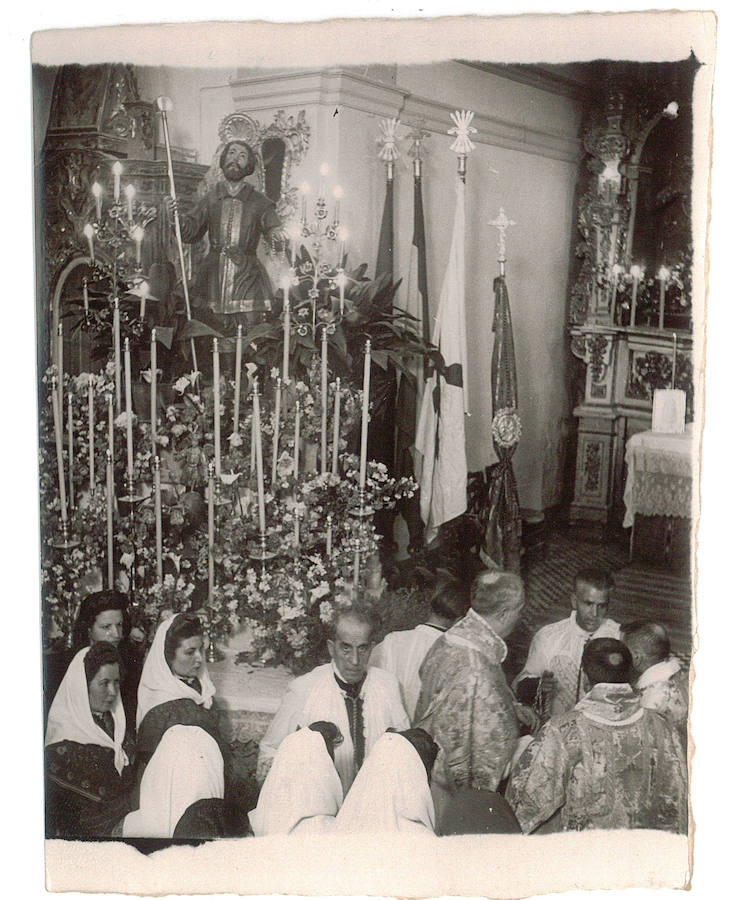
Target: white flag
[[441, 434]]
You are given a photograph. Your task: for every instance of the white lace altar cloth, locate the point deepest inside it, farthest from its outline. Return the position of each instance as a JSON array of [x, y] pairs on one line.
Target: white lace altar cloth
[[659, 480]]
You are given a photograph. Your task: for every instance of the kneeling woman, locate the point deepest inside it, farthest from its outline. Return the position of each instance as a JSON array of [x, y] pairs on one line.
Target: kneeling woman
[[87, 774], [180, 757]]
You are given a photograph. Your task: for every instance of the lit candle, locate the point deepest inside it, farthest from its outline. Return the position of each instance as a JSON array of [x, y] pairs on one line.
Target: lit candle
[[356, 575], [304, 189], [286, 331], [337, 411], [60, 370], [324, 397], [158, 523], [210, 533], [110, 518], [60, 461], [110, 405], [337, 203], [237, 395], [117, 169], [675, 358], [329, 535], [259, 460], [91, 435], [97, 191], [70, 452], [216, 400], [365, 409], [636, 274], [128, 410], [138, 233], [617, 272], [88, 232], [144, 290], [296, 448], [294, 234], [129, 193], [85, 294], [153, 391], [117, 358], [663, 275], [343, 236], [342, 281], [275, 433]]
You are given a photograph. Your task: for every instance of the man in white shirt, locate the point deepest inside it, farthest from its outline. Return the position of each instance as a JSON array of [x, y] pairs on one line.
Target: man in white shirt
[[402, 652], [662, 680], [362, 701], [552, 676]]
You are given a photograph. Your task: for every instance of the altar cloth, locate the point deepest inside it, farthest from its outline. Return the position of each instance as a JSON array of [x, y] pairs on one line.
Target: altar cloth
[[659, 480]]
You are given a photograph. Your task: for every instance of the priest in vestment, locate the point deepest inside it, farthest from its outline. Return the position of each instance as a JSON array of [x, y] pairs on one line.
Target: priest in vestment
[[363, 702]]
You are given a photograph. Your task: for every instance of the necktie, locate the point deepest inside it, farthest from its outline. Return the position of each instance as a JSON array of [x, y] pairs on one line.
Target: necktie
[[353, 703], [105, 720], [578, 692]]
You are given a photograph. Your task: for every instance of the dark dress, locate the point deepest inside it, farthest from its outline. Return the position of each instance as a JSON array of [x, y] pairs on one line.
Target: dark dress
[[85, 795]]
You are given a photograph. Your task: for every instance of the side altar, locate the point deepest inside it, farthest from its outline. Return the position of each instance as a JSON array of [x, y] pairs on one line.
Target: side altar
[[630, 317]]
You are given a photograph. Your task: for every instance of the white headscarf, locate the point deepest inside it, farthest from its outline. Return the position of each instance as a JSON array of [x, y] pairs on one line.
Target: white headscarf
[[390, 793], [158, 684], [302, 791], [187, 766], [70, 717]]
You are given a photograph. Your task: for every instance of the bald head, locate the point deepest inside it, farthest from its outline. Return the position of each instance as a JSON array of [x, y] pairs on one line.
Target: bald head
[[648, 642], [499, 598]]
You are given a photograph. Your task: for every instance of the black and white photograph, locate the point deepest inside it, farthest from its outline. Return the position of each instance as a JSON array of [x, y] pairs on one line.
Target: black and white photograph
[[370, 397]]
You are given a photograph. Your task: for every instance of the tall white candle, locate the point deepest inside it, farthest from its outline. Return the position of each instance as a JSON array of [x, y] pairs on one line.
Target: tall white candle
[[153, 392], [117, 170], [329, 536], [58, 446], [210, 533], [663, 275], [110, 405], [259, 460], [70, 452], [337, 417], [85, 294], [296, 516], [286, 332], [91, 437], [324, 398], [216, 400], [129, 193], [97, 192], [116, 336], [365, 411], [138, 233], [158, 523], [88, 232], [60, 370], [110, 518], [238, 373], [275, 432], [342, 284], [128, 409], [296, 446]]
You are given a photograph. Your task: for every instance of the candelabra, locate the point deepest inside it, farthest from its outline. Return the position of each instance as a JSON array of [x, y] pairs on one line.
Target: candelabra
[[119, 230], [322, 268]]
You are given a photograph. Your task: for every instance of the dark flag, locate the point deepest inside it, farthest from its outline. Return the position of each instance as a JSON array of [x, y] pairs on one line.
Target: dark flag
[[501, 517], [385, 243], [410, 386]]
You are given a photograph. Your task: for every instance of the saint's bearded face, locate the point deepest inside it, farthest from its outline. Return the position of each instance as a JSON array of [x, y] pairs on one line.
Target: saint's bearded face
[[236, 164]]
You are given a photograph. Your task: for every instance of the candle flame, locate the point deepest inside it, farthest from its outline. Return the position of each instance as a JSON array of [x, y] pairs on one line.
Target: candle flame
[[129, 191], [338, 192], [343, 234], [324, 170], [664, 273], [96, 189], [138, 233], [117, 168], [88, 230], [304, 188], [636, 271]]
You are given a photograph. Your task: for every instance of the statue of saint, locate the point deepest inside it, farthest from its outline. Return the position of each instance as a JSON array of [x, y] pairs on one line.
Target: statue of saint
[[230, 281]]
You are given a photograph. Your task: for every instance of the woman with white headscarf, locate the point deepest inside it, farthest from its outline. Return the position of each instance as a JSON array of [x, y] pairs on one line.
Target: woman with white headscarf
[[391, 792], [87, 774], [302, 792], [186, 768]]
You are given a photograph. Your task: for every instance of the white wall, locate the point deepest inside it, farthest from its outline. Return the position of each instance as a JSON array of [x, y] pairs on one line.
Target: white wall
[[528, 135]]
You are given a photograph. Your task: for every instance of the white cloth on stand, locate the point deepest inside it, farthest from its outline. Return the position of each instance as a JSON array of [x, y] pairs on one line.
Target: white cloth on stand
[[187, 766], [70, 717], [302, 792], [158, 684], [390, 793], [316, 697], [401, 653]]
